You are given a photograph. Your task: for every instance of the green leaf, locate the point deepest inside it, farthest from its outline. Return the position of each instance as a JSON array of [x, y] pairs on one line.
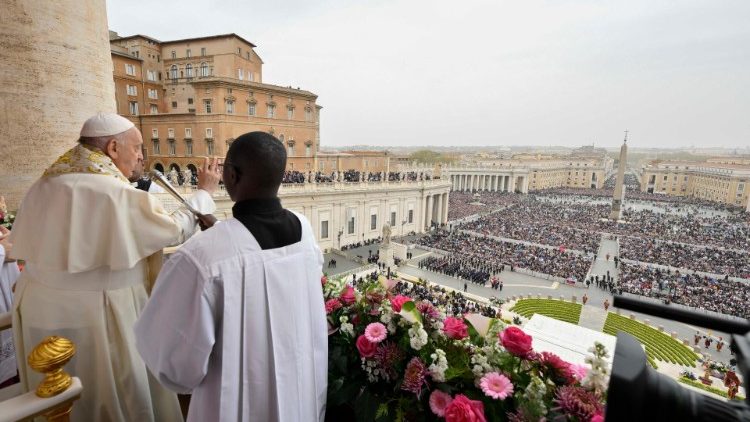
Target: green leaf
[[366, 406], [382, 410], [410, 312]]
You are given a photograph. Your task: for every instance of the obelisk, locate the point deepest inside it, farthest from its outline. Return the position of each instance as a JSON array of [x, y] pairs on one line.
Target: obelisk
[[619, 194]]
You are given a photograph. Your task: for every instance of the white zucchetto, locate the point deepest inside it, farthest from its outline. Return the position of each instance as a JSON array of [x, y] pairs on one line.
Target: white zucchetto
[[105, 124]]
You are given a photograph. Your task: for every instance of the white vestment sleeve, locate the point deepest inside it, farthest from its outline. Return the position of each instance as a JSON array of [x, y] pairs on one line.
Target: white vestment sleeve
[[201, 201], [176, 330]]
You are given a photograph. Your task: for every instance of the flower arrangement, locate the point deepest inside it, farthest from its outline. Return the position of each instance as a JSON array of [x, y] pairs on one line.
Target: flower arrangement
[[392, 357], [6, 218]]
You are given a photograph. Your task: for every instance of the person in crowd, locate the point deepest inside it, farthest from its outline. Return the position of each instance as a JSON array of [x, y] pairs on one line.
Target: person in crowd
[[237, 315], [86, 236]]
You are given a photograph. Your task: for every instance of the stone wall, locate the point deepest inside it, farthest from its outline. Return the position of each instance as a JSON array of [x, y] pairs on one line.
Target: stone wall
[[55, 72]]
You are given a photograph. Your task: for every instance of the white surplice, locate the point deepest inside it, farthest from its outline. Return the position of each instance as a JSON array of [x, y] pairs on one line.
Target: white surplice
[[243, 329], [86, 239], [9, 273]]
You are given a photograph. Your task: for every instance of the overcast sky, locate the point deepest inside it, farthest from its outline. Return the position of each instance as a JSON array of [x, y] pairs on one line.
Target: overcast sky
[[526, 72]]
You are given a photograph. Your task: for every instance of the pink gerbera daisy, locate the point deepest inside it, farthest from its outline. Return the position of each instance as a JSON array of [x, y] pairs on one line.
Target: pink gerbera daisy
[[376, 332], [496, 385], [439, 401]]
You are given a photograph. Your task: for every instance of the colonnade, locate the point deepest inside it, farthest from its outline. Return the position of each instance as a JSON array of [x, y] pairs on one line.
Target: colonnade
[[489, 182], [435, 209]]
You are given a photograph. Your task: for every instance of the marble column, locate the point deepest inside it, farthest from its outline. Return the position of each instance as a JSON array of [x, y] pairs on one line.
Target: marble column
[[55, 72], [428, 220], [438, 208]]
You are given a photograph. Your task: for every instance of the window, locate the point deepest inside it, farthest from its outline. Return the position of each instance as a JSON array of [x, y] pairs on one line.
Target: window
[[271, 111], [230, 106], [203, 51], [157, 149], [210, 147], [151, 75], [173, 71], [248, 55], [207, 105], [239, 51], [132, 90], [665, 178], [129, 69], [290, 113], [189, 71], [209, 133], [324, 229], [308, 150], [308, 115], [393, 218], [174, 54], [170, 133], [411, 216], [290, 150], [240, 74], [188, 147], [350, 221], [187, 53], [204, 69], [188, 132], [153, 94], [172, 147], [133, 108], [174, 104], [190, 100], [153, 109], [250, 76], [373, 222], [251, 109]]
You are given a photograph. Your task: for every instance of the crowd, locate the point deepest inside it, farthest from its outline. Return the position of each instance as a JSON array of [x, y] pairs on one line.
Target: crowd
[[481, 252], [641, 196], [455, 268], [464, 204], [631, 182], [547, 223], [452, 302], [718, 295], [351, 176], [696, 258]]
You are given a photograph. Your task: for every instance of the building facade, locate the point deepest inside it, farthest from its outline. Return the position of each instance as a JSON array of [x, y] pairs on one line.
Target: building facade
[[192, 97], [525, 173], [346, 213], [716, 180]]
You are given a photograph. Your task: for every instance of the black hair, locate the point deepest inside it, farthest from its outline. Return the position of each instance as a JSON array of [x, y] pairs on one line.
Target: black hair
[[261, 156]]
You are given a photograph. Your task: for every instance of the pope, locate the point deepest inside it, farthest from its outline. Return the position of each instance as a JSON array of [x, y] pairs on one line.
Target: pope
[[86, 235]]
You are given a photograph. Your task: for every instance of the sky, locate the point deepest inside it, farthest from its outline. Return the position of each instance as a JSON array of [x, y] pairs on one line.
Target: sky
[[497, 73]]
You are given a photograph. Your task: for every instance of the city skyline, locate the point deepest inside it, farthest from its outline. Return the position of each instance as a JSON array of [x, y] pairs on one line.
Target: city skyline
[[530, 74]]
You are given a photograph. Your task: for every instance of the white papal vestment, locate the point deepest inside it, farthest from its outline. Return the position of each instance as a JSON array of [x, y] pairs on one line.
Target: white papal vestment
[[243, 329], [86, 239]]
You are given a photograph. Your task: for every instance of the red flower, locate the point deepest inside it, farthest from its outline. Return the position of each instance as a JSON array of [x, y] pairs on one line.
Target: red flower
[[455, 328], [365, 347], [398, 301], [323, 280], [575, 402], [332, 305], [559, 368], [462, 409], [516, 341], [347, 296], [414, 376]]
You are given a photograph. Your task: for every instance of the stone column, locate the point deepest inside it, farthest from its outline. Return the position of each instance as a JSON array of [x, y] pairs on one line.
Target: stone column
[[438, 208], [428, 220], [512, 187], [55, 72], [446, 201]]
